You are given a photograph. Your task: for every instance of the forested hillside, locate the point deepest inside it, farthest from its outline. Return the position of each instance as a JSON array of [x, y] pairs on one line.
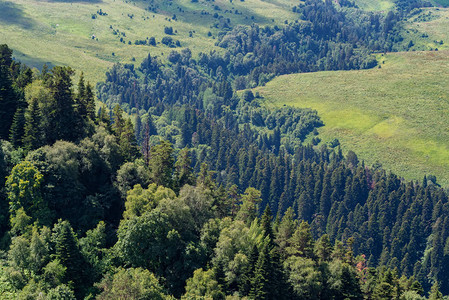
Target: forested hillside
[[184, 184]]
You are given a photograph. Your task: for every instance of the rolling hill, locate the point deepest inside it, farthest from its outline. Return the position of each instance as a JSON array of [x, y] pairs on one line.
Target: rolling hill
[[385, 115], [91, 35], [396, 114]]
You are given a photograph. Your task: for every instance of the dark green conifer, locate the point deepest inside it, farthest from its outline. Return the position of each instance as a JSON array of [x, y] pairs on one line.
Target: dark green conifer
[[32, 138], [259, 282], [183, 169], [266, 224], [90, 102], [8, 97], [248, 274], [17, 128], [68, 253], [161, 164], [64, 119]]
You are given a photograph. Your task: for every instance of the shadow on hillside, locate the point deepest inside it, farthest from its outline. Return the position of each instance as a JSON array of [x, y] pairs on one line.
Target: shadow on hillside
[[76, 1], [12, 14], [31, 61]]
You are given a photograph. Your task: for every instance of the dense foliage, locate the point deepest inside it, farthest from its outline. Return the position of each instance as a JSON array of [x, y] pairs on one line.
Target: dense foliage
[[209, 194], [326, 38]]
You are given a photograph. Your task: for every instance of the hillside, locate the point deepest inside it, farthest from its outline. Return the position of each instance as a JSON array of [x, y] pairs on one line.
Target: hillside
[[61, 32], [203, 173], [396, 115]]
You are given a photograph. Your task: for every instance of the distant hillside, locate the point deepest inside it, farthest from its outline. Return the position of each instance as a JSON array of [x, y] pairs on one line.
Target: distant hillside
[[396, 115], [91, 35]]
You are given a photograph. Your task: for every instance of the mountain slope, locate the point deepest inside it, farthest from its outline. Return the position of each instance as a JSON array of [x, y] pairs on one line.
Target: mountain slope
[[396, 115], [60, 32]]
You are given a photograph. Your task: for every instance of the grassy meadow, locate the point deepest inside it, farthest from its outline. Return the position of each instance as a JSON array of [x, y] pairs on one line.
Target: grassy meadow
[[60, 31], [434, 23], [397, 114]]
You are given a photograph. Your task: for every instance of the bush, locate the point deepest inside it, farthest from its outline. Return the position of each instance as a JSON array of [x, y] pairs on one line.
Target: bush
[[167, 40]]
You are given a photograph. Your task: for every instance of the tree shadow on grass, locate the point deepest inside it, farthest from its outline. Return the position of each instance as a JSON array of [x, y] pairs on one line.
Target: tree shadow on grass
[[12, 14]]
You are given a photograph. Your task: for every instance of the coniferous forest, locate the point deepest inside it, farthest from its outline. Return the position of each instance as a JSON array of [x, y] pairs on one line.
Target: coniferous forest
[[182, 184]]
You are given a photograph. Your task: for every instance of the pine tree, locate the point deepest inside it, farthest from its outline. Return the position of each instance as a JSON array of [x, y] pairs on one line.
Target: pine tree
[[8, 97], [32, 134], [183, 169], [266, 225], [119, 122], [68, 253], [248, 274], [64, 121], [435, 293], [90, 102], [285, 231], [250, 205], [259, 282], [161, 164], [17, 128], [302, 243], [81, 104], [323, 248], [128, 143]]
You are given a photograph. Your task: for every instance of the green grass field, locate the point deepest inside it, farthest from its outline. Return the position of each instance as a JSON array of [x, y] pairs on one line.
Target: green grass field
[[397, 114], [60, 31], [433, 22], [375, 5]]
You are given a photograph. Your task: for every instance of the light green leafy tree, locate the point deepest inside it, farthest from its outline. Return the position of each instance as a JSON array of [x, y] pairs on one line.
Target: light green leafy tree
[[202, 285], [132, 283], [24, 192]]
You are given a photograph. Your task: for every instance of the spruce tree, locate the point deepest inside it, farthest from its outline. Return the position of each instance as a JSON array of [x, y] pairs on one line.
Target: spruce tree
[[435, 293], [68, 253], [17, 128], [32, 134], [248, 274], [81, 104], [266, 225], [183, 169], [128, 143], [259, 282], [285, 231], [323, 248], [64, 117], [103, 118], [161, 164], [8, 97], [302, 243], [90, 102], [119, 122]]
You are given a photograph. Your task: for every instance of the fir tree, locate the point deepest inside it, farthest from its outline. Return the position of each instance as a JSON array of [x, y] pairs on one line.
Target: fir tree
[[128, 143], [64, 121], [81, 104], [17, 128], [248, 274], [68, 253], [8, 97], [183, 169], [266, 225], [90, 102], [161, 164], [32, 138], [259, 282]]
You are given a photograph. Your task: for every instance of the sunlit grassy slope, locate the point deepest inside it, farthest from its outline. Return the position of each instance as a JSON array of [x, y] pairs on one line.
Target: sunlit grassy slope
[[375, 5], [434, 23], [397, 114], [60, 31]]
